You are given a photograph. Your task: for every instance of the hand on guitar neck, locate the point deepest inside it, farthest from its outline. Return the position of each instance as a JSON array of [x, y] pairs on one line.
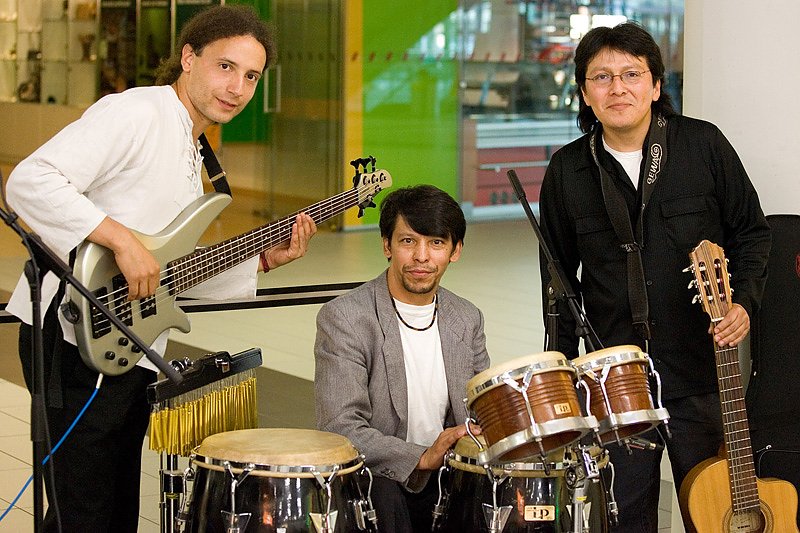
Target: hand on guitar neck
[[296, 247], [733, 327]]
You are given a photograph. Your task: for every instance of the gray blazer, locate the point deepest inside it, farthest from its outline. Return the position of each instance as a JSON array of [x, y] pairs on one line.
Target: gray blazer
[[360, 378]]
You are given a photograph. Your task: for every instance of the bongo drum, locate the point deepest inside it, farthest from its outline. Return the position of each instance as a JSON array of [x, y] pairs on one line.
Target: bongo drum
[[527, 406], [517, 497], [278, 480], [618, 389]]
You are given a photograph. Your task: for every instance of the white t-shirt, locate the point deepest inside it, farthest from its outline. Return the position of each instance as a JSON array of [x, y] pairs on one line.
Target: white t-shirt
[[425, 375], [630, 161], [131, 156]]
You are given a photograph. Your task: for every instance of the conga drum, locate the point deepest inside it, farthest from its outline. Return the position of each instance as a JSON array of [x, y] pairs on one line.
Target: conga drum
[[527, 406], [618, 385], [518, 497], [278, 480]]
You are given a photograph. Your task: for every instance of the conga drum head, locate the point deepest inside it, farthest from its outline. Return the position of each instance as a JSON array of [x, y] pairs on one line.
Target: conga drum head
[[521, 421], [280, 452], [619, 388]]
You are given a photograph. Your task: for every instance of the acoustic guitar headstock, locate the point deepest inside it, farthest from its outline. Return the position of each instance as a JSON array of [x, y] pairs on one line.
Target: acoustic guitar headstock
[[711, 279]]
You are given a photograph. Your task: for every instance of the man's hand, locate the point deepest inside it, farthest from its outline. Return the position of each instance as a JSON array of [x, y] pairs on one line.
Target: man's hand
[[302, 230], [135, 262], [733, 328], [433, 457]]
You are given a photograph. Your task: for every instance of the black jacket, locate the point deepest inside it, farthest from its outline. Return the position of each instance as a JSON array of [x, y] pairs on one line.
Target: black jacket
[[703, 192]]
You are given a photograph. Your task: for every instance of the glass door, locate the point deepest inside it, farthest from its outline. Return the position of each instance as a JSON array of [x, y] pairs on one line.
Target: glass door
[[303, 98], [518, 94]]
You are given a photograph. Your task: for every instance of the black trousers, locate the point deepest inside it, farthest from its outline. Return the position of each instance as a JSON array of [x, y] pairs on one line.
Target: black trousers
[[696, 427], [400, 511], [97, 469]]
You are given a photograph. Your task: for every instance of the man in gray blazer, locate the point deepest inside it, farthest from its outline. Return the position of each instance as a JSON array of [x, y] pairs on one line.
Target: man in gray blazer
[[394, 355]]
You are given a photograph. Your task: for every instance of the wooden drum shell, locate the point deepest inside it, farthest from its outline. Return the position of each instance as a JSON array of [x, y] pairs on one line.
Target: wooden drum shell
[[501, 411]]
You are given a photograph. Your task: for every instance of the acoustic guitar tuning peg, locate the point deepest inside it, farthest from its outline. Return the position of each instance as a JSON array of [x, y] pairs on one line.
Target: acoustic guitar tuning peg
[[692, 284], [696, 299], [690, 268]]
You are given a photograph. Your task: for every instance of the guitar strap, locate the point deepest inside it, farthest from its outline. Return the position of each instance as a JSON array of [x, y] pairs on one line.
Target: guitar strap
[[213, 168], [52, 332], [621, 220]]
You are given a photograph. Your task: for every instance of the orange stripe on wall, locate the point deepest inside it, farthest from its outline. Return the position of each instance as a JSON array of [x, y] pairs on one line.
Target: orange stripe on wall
[[353, 96]]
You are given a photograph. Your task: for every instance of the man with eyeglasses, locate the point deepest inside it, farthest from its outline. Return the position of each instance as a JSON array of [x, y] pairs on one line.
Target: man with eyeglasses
[[625, 204]]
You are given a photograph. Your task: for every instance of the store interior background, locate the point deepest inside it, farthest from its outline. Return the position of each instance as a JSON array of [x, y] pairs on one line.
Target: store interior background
[[438, 92]]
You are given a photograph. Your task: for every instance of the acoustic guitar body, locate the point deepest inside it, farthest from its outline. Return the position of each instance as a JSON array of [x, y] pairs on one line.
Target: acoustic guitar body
[[705, 499]]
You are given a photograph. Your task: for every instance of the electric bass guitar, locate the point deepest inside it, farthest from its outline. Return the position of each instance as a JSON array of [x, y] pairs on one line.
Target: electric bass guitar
[[722, 494], [104, 348]]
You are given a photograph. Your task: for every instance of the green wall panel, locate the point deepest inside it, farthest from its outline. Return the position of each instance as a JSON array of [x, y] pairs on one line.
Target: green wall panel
[[410, 102]]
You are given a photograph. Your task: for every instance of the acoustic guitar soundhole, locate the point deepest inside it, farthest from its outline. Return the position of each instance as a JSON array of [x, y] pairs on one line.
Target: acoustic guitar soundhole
[[749, 521]]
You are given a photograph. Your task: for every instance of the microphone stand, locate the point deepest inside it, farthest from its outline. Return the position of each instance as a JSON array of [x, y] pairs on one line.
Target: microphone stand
[[558, 288], [42, 260]]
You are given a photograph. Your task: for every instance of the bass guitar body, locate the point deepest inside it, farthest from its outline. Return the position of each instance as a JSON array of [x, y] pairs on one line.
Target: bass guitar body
[[706, 497]]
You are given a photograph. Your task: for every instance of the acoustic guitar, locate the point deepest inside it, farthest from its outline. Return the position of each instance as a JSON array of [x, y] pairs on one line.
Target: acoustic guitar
[[722, 494], [183, 266]]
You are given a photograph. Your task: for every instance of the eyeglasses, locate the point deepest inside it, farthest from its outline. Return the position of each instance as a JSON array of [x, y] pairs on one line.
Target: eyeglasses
[[631, 77]]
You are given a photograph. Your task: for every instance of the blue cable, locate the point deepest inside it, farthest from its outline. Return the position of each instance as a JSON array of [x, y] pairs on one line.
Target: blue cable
[[60, 442]]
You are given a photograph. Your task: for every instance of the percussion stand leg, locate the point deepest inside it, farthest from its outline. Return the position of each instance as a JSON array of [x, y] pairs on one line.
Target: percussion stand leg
[[172, 487], [585, 472]]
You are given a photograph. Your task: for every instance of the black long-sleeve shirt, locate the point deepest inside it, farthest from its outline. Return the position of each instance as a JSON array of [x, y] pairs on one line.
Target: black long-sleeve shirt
[[703, 192]]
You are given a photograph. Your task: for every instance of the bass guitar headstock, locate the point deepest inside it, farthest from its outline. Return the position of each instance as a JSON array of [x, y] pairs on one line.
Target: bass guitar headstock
[[368, 182]]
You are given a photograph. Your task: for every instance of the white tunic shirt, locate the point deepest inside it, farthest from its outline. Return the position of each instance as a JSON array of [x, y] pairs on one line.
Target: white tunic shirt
[[425, 374], [132, 157]]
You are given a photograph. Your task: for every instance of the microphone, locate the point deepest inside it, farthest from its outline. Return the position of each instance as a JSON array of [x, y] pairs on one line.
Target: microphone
[[643, 444]]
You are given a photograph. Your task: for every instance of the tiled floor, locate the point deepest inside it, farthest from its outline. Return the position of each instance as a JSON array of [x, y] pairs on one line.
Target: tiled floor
[[498, 271]]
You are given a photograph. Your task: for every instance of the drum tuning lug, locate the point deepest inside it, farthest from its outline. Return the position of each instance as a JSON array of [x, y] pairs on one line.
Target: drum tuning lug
[[324, 523], [545, 464], [496, 517], [237, 523], [364, 513], [438, 513], [182, 522], [613, 512]]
